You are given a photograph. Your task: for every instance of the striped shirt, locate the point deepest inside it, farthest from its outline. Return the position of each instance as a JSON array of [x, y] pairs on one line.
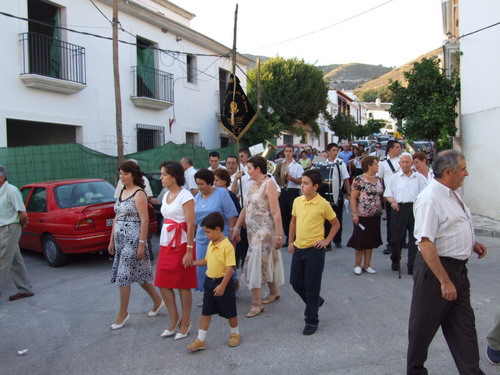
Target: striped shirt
[[441, 218]]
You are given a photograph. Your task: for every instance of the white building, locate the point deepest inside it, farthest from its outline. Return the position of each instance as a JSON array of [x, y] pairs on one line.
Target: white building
[[380, 111], [471, 29], [58, 84]]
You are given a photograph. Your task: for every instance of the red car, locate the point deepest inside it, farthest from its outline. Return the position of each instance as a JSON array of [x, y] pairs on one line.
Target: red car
[[70, 216]]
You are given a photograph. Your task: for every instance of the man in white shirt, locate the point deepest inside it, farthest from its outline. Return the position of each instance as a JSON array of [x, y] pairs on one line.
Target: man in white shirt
[[213, 159], [441, 289], [243, 155], [290, 175], [13, 217], [189, 172], [340, 178], [386, 168], [401, 192]]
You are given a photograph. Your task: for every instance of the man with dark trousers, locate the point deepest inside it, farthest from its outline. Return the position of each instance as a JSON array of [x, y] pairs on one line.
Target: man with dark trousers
[[290, 178], [401, 191], [340, 177], [386, 168], [441, 289]]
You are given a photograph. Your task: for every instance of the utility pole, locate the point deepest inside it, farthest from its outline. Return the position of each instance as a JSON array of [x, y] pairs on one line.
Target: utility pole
[[118, 96], [259, 87]]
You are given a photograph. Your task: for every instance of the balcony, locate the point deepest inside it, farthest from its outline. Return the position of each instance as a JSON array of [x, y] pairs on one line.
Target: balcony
[[153, 88], [51, 64]]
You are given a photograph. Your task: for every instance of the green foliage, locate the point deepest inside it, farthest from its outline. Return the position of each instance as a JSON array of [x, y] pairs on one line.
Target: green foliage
[[291, 90], [382, 93], [427, 105], [373, 126], [344, 126]]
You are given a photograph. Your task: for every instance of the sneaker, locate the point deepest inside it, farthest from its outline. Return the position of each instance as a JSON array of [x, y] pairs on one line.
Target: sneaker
[[234, 340], [196, 345], [369, 270], [357, 270], [493, 356]]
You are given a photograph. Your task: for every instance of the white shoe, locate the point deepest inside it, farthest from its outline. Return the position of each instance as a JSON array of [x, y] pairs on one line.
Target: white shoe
[[118, 326], [168, 333], [357, 270], [369, 270], [179, 335], [157, 311]]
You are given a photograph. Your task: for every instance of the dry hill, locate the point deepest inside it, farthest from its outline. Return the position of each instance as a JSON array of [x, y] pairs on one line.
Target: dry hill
[[397, 74], [350, 76]]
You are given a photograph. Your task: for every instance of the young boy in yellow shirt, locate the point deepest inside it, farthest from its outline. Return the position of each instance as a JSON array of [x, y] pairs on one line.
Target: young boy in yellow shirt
[[219, 297], [309, 213]]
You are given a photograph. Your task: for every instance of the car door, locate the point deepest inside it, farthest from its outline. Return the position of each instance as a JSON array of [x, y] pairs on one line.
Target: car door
[[36, 207]]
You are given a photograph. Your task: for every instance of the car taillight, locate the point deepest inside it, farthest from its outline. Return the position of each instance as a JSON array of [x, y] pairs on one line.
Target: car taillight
[[84, 224]]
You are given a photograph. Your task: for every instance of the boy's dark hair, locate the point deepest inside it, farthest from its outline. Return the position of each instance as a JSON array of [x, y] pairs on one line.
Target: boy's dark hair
[[331, 145], [214, 154], [213, 220], [314, 175]]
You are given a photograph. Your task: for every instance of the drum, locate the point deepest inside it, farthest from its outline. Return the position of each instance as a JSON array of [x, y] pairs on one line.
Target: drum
[[330, 189]]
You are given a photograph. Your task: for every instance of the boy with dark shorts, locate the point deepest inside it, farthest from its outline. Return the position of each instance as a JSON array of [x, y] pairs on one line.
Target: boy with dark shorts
[[219, 295]]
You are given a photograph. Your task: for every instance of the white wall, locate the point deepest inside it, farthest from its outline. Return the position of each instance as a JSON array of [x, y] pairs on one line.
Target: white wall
[[480, 106], [93, 109]]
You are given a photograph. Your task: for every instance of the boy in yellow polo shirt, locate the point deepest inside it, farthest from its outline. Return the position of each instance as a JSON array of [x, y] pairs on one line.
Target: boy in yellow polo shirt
[[309, 212], [219, 297]]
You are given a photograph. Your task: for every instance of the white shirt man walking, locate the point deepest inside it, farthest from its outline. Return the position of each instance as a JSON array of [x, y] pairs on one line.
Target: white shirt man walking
[[13, 218]]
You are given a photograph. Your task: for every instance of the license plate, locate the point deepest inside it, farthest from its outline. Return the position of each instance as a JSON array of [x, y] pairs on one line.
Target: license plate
[[109, 222]]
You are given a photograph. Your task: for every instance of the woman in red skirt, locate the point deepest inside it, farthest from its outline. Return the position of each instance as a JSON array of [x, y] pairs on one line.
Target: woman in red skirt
[[176, 250]]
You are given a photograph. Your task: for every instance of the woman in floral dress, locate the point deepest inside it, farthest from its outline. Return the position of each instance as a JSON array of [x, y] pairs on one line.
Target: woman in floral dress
[[128, 241], [263, 263], [366, 205]]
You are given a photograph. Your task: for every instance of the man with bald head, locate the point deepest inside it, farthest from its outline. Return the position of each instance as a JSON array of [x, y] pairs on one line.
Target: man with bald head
[[401, 192]]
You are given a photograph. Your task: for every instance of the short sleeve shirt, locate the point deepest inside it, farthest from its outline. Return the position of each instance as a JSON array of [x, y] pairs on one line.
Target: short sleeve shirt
[[219, 257], [310, 216], [174, 211], [11, 202], [370, 196]]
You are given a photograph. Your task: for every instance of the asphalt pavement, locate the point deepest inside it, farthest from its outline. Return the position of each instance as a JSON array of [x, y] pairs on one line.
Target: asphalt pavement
[[363, 324]]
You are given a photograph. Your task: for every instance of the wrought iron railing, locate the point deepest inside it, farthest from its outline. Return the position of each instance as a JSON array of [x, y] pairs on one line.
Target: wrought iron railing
[[153, 83], [51, 57]]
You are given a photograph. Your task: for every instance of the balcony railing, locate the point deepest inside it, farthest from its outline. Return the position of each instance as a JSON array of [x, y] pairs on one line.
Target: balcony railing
[[153, 84], [50, 57]]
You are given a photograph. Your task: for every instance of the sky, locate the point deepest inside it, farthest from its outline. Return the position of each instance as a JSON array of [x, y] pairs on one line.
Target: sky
[[322, 32]]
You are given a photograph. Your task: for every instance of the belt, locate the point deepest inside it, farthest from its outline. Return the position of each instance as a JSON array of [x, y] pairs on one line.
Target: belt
[[406, 204], [289, 189], [450, 260], [215, 279]]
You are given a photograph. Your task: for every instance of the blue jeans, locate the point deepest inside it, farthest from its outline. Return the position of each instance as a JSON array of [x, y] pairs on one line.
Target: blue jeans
[[305, 277]]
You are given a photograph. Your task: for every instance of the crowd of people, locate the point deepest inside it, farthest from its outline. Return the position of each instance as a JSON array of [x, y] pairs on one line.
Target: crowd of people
[[225, 226]]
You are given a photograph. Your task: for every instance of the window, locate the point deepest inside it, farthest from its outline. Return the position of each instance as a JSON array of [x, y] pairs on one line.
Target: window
[[223, 82], [149, 137], [191, 68], [146, 83], [287, 139], [38, 201]]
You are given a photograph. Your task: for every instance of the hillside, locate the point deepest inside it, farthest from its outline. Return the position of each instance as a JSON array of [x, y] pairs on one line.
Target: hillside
[[350, 76], [397, 74]]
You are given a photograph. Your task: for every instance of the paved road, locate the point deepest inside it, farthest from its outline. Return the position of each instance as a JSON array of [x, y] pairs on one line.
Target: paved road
[[363, 327]]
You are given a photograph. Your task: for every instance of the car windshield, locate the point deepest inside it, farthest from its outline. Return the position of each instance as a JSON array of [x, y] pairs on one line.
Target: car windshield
[[84, 193]]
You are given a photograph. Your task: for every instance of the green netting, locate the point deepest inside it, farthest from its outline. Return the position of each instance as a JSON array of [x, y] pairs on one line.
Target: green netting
[[55, 162]]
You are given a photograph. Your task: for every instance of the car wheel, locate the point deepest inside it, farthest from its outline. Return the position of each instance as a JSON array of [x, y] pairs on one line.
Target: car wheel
[[53, 254]]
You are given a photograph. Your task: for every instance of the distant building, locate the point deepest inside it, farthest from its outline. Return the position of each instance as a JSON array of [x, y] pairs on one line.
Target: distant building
[[380, 111], [468, 36], [58, 87]]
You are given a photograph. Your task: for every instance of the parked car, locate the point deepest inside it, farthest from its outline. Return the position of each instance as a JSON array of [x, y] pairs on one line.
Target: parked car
[[427, 147], [70, 216]]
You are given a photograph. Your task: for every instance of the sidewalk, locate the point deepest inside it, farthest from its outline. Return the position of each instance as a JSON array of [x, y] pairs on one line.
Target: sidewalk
[[486, 226]]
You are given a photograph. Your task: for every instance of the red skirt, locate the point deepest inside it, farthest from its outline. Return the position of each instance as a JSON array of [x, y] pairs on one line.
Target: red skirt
[[170, 272]]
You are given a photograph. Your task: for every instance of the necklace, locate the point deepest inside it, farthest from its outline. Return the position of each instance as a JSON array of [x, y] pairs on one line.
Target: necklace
[[171, 196], [259, 184]]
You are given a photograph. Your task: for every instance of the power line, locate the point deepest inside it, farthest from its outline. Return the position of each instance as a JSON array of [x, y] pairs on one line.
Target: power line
[[476, 31], [319, 30], [106, 37]]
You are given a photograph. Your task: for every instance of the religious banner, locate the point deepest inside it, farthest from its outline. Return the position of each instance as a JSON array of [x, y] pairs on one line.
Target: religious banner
[[237, 114]]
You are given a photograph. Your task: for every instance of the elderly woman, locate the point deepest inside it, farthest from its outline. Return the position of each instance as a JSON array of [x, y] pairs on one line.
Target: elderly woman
[[210, 199], [128, 241], [421, 164], [263, 263], [176, 250], [366, 204]]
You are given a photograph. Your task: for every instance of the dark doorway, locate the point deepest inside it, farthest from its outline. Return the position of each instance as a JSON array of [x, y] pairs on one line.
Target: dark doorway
[[32, 133]]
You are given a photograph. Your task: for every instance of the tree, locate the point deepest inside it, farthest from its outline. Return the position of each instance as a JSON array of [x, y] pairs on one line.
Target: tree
[[291, 90], [344, 126], [427, 105]]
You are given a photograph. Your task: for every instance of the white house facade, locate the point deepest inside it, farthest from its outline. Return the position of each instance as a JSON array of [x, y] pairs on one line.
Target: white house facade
[[58, 82], [471, 30]]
